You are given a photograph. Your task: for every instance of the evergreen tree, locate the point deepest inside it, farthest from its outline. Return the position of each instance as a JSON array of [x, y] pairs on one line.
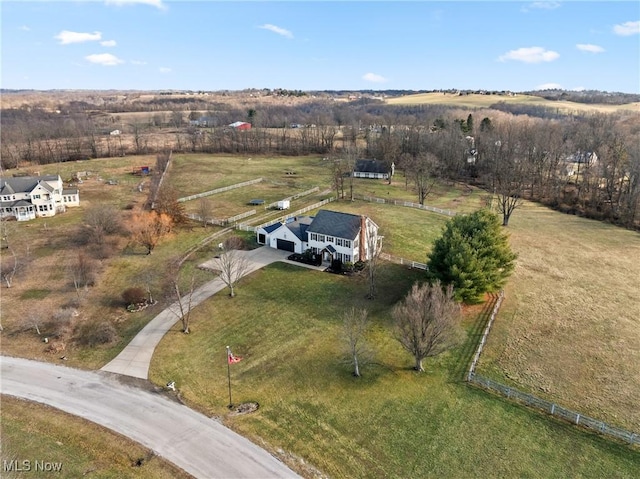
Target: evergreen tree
[[473, 254]]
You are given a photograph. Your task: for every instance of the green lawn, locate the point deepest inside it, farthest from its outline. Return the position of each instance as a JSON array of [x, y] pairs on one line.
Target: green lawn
[[390, 423]]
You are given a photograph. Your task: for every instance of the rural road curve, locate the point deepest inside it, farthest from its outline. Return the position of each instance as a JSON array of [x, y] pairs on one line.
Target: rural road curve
[[197, 444], [135, 358]]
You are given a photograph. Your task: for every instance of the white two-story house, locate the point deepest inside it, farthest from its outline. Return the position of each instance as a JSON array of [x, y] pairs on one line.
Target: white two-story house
[[336, 236], [29, 197]]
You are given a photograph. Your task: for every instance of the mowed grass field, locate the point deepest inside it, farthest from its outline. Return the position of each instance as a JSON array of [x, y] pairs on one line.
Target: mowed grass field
[[569, 329], [485, 101], [392, 422]]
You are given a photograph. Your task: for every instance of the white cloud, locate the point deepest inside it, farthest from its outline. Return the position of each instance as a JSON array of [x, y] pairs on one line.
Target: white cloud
[[138, 62], [549, 86], [374, 78], [587, 47], [627, 28], [541, 6], [164, 70], [108, 43], [530, 55], [153, 3], [579, 88], [278, 30], [106, 59], [25, 28], [66, 37]]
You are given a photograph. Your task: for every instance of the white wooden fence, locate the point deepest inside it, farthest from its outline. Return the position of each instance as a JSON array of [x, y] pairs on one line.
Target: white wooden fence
[[246, 227], [398, 260], [549, 407], [224, 221], [408, 204], [219, 190]]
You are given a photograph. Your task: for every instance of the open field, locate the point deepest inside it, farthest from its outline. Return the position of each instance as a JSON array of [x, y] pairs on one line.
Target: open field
[[52, 248], [485, 101], [31, 431], [391, 422], [569, 329]]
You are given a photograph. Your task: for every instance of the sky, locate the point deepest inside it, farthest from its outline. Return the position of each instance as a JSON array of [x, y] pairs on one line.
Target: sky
[[328, 45]]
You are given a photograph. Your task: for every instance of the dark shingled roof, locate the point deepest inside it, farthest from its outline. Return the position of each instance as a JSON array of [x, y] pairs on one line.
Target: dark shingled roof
[[333, 223], [299, 226], [272, 227], [371, 166], [24, 184]]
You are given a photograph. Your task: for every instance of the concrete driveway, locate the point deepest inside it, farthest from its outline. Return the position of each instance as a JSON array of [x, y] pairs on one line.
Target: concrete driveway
[[199, 445], [135, 358]]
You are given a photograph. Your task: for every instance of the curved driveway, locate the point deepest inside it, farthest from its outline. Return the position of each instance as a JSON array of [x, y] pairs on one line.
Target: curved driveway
[[135, 358], [199, 445]]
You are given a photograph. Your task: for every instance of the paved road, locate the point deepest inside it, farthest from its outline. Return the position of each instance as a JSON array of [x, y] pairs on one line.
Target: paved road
[[135, 358], [199, 445]]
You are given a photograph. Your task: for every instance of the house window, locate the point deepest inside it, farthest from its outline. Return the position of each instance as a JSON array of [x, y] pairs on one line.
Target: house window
[[36, 197], [329, 239], [321, 238], [347, 243], [347, 258]]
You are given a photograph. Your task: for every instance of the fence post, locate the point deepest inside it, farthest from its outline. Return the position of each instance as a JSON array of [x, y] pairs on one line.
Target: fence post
[[553, 409], [577, 418]]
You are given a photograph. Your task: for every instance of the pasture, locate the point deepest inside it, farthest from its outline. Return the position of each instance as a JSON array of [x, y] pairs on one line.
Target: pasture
[[569, 329]]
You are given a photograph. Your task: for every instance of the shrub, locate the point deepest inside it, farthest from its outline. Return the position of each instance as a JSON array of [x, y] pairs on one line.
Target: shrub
[[134, 295], [59, 323], [92, 333]]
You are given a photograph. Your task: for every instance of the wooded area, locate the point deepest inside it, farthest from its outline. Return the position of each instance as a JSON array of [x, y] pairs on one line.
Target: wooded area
[[586, 164]]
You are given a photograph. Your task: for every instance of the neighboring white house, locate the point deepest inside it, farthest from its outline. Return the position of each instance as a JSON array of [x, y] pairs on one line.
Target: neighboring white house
[[373, 169], [336, 236], [29, 197]]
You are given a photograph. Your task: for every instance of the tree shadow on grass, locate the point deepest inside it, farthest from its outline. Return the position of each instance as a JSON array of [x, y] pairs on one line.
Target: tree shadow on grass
[[459, 367]]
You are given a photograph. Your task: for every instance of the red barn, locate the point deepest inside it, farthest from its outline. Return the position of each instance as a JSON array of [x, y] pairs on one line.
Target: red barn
[[240, 125]]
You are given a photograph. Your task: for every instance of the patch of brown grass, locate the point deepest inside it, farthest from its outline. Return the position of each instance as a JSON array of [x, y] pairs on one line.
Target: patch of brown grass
[[32, 431]]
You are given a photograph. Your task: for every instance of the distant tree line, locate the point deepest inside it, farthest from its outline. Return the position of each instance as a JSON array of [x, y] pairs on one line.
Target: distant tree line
[[587, 165]]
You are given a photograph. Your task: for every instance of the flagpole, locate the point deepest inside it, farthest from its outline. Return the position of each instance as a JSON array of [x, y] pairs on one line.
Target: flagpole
[[229, 376]]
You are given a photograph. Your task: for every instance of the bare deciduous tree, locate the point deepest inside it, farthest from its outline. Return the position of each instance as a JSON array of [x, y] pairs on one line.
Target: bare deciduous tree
[[422, 170], [8, 266], [205, 211], [183, 304], [233, 264], [148, 227], [426, 321], [374, 248], [167, 203], [356, 325], [83, 273], [101, 220]]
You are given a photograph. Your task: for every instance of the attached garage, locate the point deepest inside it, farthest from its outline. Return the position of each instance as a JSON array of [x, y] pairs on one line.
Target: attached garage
[[286, 245]]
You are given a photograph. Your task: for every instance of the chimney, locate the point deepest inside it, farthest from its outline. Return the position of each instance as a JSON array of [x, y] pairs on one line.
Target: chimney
[[363, 237]]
